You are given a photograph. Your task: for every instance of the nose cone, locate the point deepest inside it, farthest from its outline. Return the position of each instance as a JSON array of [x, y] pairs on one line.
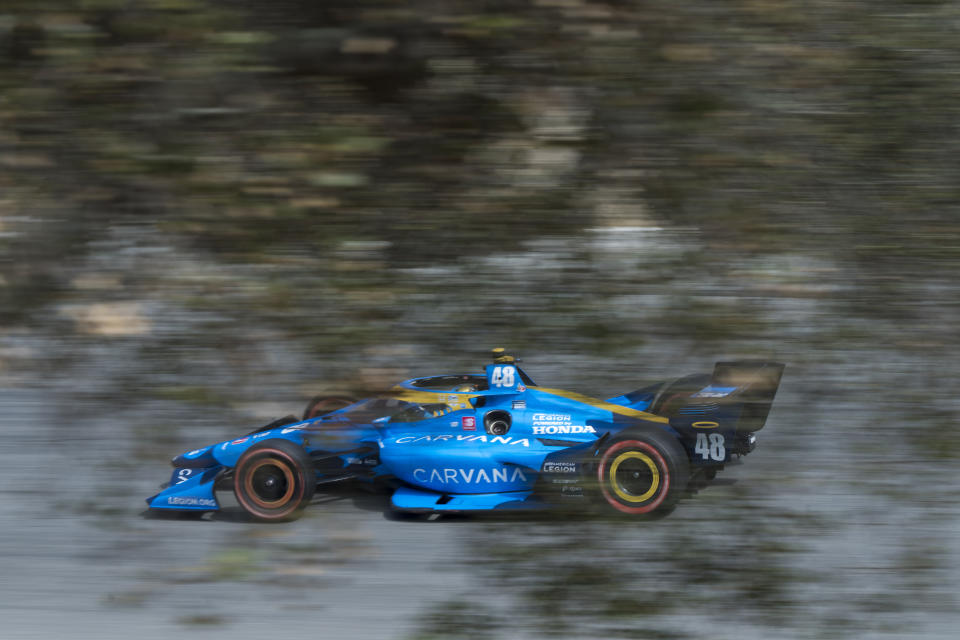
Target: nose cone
[[196, 459]]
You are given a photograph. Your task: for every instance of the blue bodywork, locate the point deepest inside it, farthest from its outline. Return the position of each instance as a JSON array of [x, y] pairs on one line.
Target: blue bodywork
[[435, 443]]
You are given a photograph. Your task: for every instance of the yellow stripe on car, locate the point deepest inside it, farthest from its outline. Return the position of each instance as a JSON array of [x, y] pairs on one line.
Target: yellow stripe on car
[[430, 397], [603, 404], [654, 480]]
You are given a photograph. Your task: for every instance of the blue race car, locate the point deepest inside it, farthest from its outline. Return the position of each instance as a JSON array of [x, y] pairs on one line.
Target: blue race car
[[493, 440]]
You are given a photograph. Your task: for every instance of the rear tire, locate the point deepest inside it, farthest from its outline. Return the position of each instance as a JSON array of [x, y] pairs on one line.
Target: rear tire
[[274, 480], [279, 422], [322, 405], [643, 473]]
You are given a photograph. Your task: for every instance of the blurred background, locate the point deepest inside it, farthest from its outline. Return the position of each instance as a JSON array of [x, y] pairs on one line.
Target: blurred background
[[211, 210]]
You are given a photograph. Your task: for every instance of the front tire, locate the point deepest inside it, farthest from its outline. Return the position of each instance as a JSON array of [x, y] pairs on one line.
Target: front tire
[[274, 480], [643, 473]]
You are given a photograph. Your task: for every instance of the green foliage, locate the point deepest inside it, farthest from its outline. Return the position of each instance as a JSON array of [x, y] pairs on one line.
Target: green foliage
[[289, 186], [770, 126]]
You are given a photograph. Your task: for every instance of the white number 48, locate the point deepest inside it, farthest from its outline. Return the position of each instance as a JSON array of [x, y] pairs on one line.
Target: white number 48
[[503, 376], [711, 449]]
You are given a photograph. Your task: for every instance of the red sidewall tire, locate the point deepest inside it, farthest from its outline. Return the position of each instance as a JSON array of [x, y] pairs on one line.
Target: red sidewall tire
[[287, 463], [662, 490]]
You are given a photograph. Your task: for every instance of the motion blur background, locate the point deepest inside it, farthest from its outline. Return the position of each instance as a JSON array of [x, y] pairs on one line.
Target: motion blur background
[[212, 209]]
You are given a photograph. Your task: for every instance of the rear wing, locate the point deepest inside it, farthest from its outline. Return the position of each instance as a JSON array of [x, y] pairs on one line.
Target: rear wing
[[747, 385]]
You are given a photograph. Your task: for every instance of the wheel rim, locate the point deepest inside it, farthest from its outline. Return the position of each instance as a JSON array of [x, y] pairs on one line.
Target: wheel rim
[[634, 476], [269, 483]]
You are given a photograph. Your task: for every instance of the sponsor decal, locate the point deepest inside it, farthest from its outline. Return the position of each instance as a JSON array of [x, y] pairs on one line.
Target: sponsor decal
[[239, 440], [457, 402], [551, 418], [448, 475], [508, 440], [195, 452], [469, 423], [364, 462], [714, 392], [519, 404], [555, 429], [262, 434], [553, 423], [191, 501], [560, 467], [296, 427], [521, 388]]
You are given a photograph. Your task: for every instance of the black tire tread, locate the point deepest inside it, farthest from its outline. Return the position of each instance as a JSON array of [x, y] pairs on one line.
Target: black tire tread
[[303, 470], [673, 454]]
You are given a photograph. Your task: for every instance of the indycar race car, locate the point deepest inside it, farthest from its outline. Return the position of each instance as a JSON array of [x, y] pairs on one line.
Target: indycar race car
[[493, 440]]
